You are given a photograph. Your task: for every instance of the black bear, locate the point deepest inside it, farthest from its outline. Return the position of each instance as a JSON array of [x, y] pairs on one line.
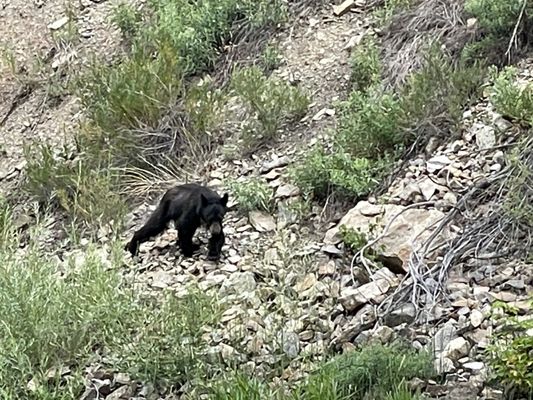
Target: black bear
[[189, 206]]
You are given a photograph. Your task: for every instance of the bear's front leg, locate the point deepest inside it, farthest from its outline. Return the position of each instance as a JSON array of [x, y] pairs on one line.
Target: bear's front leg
[[215, 246]]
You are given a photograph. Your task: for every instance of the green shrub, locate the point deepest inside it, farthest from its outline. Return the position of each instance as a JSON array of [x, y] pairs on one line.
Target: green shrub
[[127, 18], [375, 126], [269, 103], [510, 351], [85, 193], [499, 17], [271, 58], [352, 238], [252, 194], [366, 65], [510, 99]]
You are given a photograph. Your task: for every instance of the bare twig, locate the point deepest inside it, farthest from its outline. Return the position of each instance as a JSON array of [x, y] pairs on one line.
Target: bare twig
[[515, 30]]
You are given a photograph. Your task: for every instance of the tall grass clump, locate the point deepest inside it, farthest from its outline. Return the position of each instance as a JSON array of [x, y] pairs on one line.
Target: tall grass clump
[[510, 98], [251, 194], [56, 315], [377, 372]]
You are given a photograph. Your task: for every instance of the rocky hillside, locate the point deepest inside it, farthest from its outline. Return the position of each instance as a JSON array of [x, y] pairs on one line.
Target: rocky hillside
[[428, 245]]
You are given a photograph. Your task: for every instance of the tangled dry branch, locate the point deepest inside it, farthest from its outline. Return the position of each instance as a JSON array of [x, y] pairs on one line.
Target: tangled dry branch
[[497, 217]]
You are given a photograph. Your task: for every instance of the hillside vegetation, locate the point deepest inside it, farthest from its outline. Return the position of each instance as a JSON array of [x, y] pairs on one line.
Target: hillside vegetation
[[305, 304]]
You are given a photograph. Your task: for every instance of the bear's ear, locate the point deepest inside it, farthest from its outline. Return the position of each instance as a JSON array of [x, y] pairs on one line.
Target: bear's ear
[[224, 200], [204, 200]]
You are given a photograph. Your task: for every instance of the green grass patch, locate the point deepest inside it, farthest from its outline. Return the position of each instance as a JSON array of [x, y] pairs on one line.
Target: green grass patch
[[377, 372], [58, 315]]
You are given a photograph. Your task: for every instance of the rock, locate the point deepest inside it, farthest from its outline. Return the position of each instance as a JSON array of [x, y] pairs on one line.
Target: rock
[[443, 365], [343, 8], [241, 283], [262, 222], [58, 24], [328, 268], [462, 391], [89, 394], [502, 124], [276, 163], [362, 321], [332, 249], [437, 163], [443, 337], [123, 392], [395, 248], [354, 41], [291, 344], [287, 190], [427, 187], [308, 282], [456, 349], [471, 23], [383, 335], [404, 314], [431, 146], [474, 366], [476, 318], [162, 279], [485, 137], [353, 298]]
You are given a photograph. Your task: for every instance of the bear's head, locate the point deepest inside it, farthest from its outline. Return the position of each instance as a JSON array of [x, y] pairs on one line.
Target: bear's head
[[212, 213]]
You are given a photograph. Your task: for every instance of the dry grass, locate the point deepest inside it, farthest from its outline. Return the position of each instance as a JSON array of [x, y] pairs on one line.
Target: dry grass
[[413, 29]]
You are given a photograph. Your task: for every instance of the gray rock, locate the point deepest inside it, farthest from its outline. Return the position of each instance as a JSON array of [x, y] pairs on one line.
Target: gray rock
[[291, 344], [353, 298], [241, 283], [443, 337], [476, 318], [406, 313], [474, 366], [456, 349], [443, 365], [262, 222], [277, 163], [485, 137]]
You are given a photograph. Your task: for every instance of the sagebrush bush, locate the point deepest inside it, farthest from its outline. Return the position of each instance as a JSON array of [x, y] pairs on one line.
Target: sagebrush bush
[[251, 194], [270, 103], [511, 99], [127, 18], [376, 126]]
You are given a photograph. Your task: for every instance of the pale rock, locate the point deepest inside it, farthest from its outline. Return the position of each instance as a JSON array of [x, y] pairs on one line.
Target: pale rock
[[162, 279], [450, 198], [485, 137], [353, 298], [502, 124], [437, 163], [123, 392], [241, 283], [58, 24], [343, 8], [395, 248], [262, 222], [471, 23], [328, 268], [287, 190], [291, 344], [427, 187], [456, 349], [306, 283], [476, 318], [443, 365], [383, 335], [443, 337], [352, 42], [474, 366]]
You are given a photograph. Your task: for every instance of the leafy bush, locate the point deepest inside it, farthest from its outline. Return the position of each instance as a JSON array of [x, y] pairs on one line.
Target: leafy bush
[[252, 194], [57, 314], [375, 126], [510, 99], [499, 17], [366, 65], [87, 194], [510, 351], [127, 18], [271, 58], [269, 104]]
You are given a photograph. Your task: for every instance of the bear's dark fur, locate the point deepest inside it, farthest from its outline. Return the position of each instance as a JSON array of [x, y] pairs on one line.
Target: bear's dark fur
[[189, 206]]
